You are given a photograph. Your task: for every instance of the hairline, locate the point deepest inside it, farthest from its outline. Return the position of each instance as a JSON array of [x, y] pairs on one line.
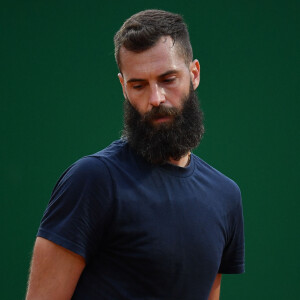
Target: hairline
[[175, 43]]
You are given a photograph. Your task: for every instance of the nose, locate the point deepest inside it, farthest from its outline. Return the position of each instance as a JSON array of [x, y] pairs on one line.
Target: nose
[[157, 95]]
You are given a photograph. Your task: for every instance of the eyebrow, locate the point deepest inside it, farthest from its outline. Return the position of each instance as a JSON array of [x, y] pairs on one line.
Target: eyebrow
[[160, 76]]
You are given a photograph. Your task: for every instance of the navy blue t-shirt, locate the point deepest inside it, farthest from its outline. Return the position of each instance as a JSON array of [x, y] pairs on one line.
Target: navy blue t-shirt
[[146, 231]]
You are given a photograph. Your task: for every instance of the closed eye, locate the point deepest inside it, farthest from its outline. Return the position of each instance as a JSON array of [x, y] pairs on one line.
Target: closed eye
[[137, 86], [169, 79]]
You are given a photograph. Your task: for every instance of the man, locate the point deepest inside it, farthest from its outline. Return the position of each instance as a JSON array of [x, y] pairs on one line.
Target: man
[[144, 218]]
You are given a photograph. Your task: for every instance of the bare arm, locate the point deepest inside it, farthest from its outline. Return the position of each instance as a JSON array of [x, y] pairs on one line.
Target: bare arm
[[54, 273], [215, 290]]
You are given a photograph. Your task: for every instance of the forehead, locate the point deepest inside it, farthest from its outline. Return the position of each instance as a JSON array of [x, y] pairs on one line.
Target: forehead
[[160, 58]]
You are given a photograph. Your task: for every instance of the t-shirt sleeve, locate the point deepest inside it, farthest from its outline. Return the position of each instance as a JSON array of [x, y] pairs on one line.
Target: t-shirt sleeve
[[233, 259], [79, 208]]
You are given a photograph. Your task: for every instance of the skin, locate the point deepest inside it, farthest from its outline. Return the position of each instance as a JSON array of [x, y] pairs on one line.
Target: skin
[[157, 76], [215, 290]]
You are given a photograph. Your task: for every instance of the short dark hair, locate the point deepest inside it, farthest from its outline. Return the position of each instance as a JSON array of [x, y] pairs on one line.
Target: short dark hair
[[142, 30]]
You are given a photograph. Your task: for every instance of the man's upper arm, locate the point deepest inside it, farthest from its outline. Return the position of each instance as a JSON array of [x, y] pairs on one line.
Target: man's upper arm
[[233, 258], [215, 290], [54, 273]]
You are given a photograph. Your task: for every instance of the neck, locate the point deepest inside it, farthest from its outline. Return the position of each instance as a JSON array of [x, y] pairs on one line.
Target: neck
[[184, 161]]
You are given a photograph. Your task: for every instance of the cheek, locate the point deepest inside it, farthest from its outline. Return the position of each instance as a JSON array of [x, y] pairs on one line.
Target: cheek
[[181, 91], [138, 104], [176, 98]]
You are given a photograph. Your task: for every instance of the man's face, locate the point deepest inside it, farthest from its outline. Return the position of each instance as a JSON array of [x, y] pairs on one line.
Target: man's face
[[162, 119], [157, 77]]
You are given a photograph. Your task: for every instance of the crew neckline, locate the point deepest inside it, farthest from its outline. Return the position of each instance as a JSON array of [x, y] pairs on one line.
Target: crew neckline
[[168, 168], [179, 171]]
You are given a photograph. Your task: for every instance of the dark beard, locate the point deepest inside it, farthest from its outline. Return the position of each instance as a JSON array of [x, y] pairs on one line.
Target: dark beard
[[173, 139]]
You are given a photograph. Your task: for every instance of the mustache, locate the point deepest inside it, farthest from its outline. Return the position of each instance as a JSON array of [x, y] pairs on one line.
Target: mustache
[[159, 112]]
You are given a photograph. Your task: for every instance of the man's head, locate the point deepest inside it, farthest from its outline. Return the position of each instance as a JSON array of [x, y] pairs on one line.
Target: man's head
[[159, 79]]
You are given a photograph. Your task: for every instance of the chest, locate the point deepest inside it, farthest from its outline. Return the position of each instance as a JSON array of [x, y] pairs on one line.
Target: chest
[[173, 224]]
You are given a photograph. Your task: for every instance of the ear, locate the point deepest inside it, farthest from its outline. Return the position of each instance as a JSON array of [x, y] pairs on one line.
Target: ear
[[195, 73], [122, 84]]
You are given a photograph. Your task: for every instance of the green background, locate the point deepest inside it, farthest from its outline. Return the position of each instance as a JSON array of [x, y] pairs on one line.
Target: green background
[[61, 99]]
